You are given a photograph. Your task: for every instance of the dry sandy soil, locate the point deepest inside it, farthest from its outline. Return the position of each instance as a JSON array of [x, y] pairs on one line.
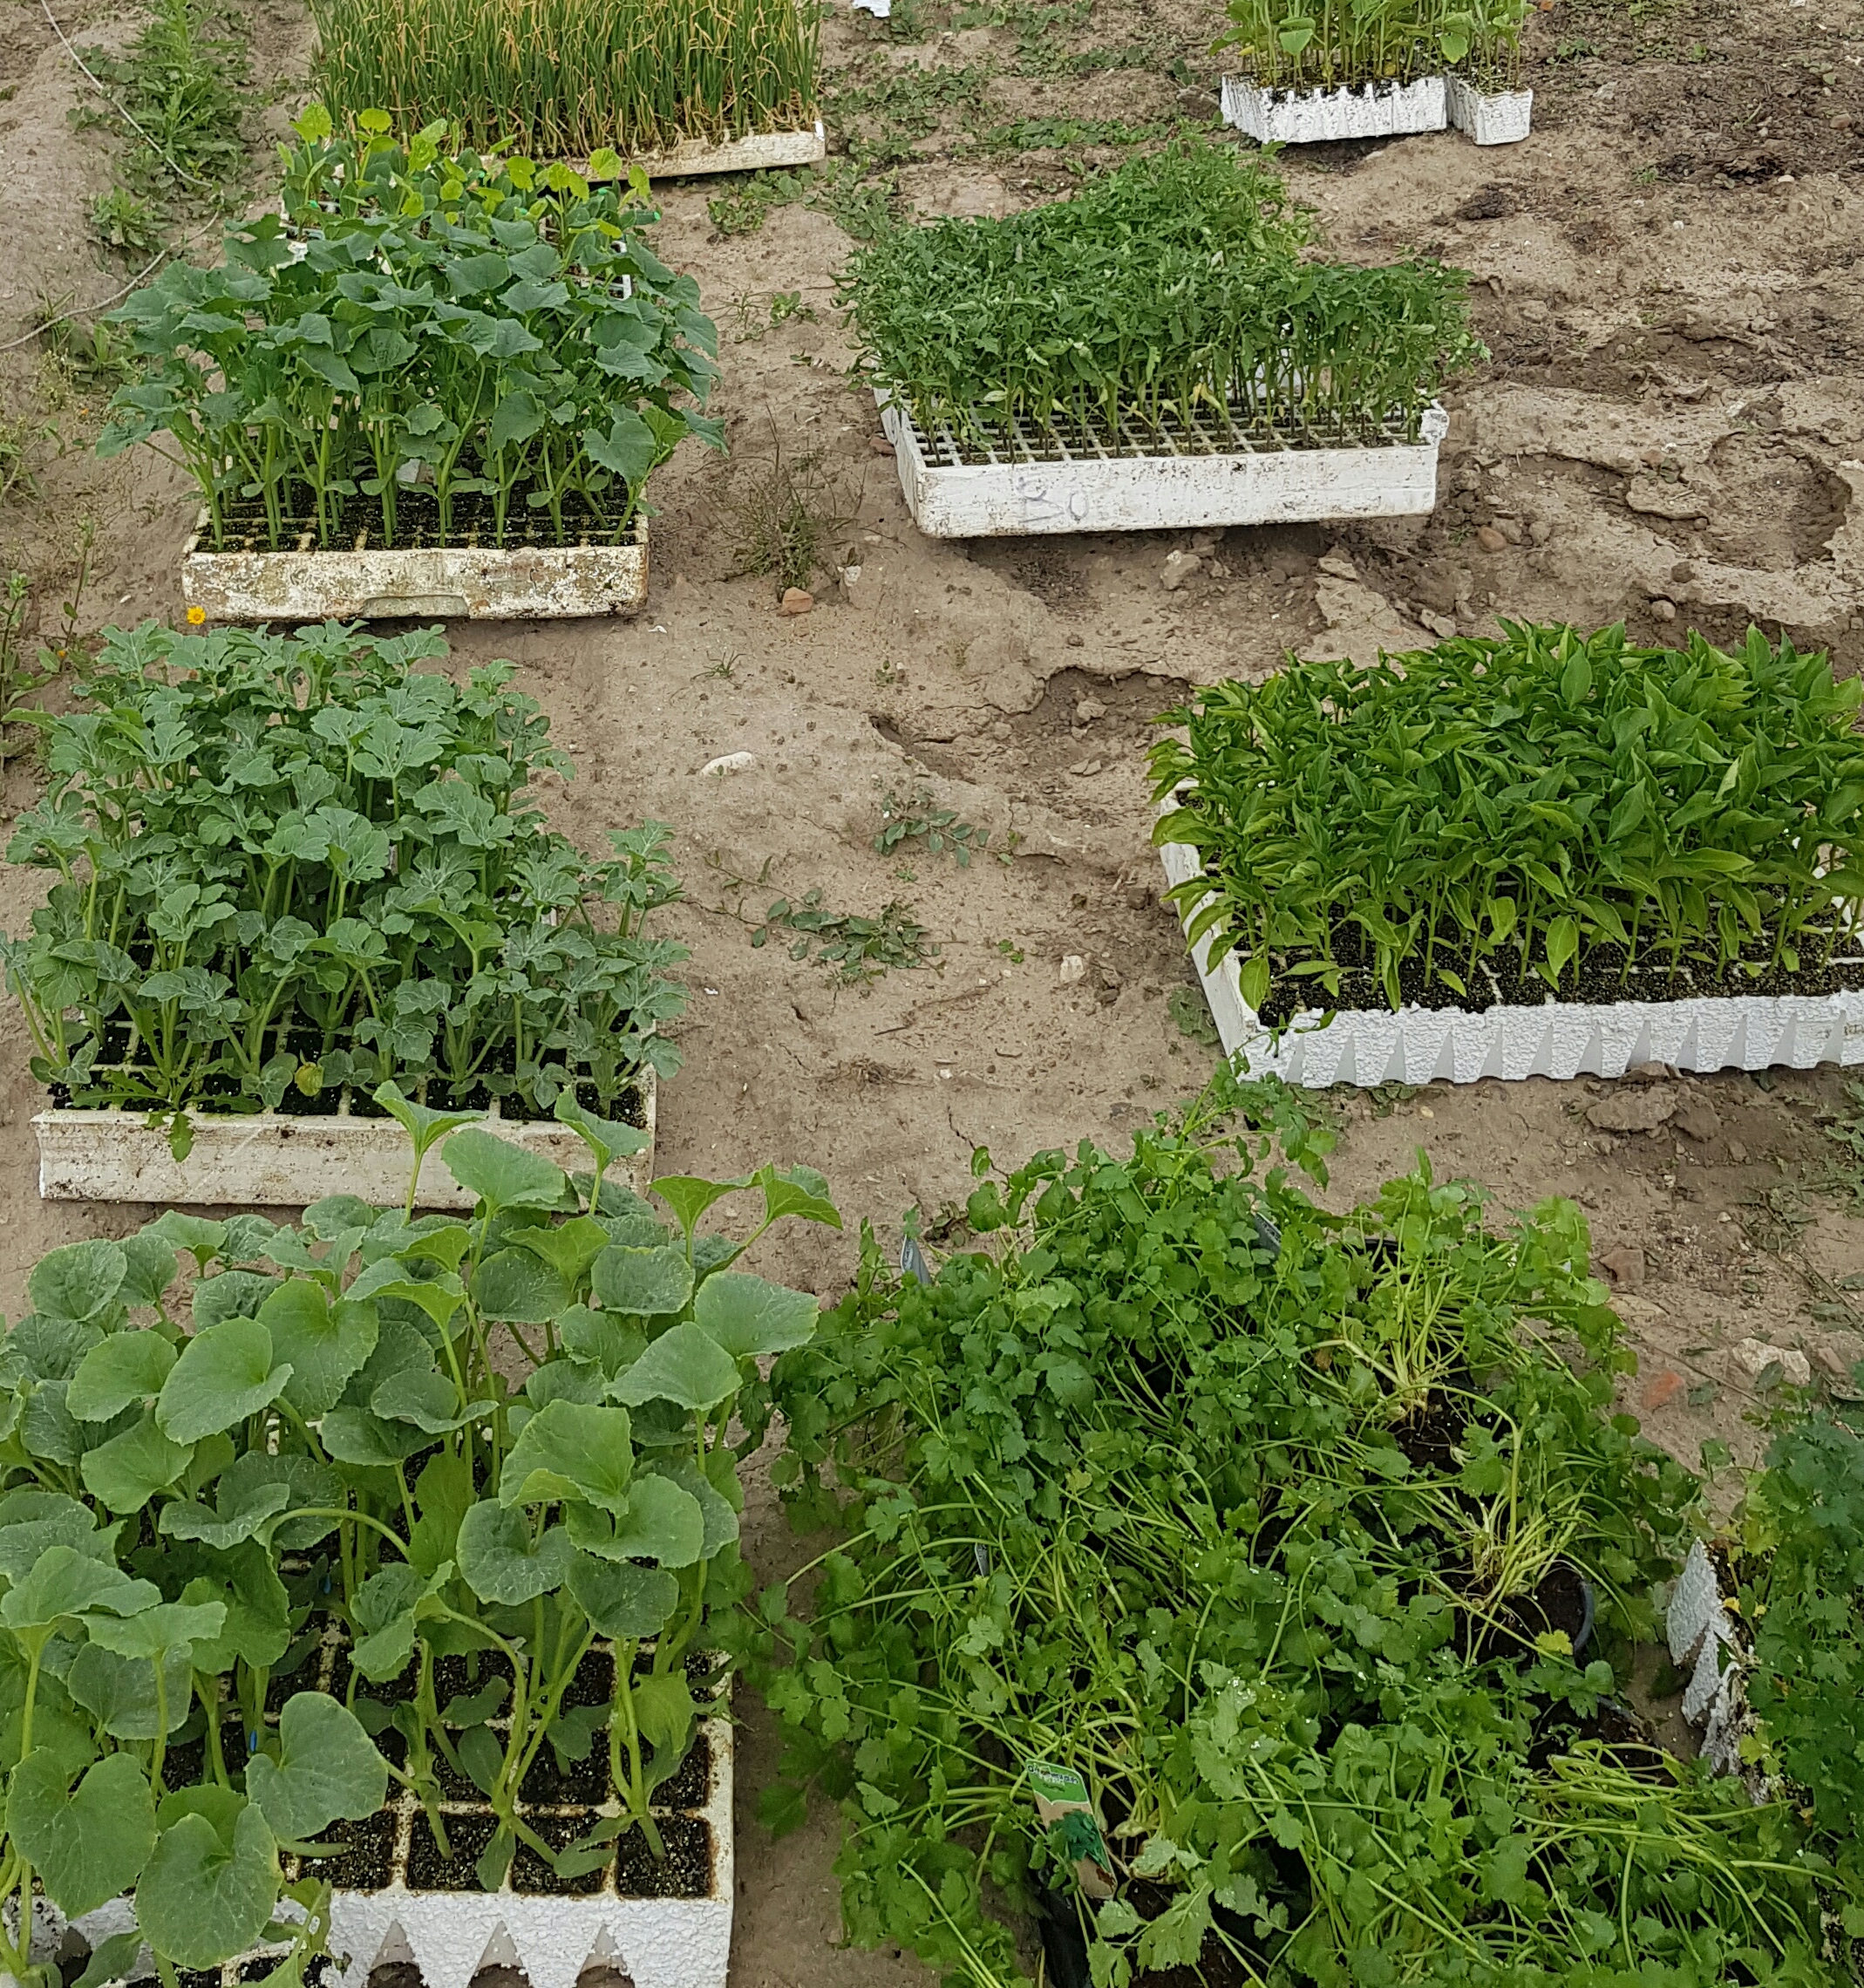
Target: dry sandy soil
[[1671, 432]]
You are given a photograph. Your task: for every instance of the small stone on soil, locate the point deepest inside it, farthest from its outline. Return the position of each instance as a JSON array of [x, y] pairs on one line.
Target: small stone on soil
[[1624, 1266], [1088, 710], [1664, 610], [1489, 539], [795, 601], [1754, 1357], [1641, 1110], [1664, 1389], [1699, 1119], [1178, 568], [1074, 970]]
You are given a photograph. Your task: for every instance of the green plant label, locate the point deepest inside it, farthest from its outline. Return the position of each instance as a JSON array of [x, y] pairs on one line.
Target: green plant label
[[1063, 1809]]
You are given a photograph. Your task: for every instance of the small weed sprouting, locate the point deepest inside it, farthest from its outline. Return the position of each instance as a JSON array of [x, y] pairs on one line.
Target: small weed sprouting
[[859, 205], [1008, 948], [785, 514], [936, 829], [1191, 1012], [125, 222], [859, 949], [1846, 1130], [179, 83]]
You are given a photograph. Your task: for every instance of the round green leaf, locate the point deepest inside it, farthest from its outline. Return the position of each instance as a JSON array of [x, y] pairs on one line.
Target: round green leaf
[[502, 1175], [125, 1367], [662, 1524], [685, 1365], [124, 1473], [204, 1897], [65, 1582], [119, 1692], [568, 1450], [513, 1283], [224, 1374], [652, 1283], [324, 1343], [622, 1601], [502, 1564], [327, 1769], [78, 1281], [748, 1316], [89, 1845]]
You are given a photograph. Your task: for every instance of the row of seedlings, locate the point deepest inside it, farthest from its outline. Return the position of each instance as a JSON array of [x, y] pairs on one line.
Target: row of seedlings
[[1155, 351], [1542, 854], [1315, 69], [362, 1579], [285, 871], [671, 86], [431, 384], [1214, 1592]]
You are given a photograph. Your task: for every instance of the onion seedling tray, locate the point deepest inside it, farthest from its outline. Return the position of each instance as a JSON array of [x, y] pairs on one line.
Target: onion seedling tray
[[452, 583], [286, 1159], [1315, 117], [1168, 479], [759, 152], [664, 1924], [1553, 1038], [1501, 117]]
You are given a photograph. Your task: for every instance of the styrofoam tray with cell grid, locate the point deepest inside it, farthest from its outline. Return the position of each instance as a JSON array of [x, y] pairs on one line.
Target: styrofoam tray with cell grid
[[1501, 117], [1554, 1038], [659, 1942], [1315, 117], [1173, 479]]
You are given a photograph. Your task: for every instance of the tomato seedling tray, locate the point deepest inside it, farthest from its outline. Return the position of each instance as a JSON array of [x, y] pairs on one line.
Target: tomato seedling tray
[[1552, 1039], [463, 583], [1029, 483], [284, 1160]]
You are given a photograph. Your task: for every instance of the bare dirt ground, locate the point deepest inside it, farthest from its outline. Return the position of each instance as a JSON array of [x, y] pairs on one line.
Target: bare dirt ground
[[1671, 432]]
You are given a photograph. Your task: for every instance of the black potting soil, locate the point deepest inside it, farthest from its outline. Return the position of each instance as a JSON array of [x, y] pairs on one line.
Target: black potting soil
[[689, 1785], [684, 1872], [471, 521], [1559, 1602], [1065, 1945], [367, 1862], [461, 1677], [1596, 978], [584, 1785], [1429, 1435], [466, 1837], [390, 1691], [321, 1971], [594, 1683], [185, 1763], [530, 1873]]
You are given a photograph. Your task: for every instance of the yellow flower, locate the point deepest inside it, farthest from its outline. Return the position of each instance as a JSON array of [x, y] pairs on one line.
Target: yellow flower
[[195, 617]]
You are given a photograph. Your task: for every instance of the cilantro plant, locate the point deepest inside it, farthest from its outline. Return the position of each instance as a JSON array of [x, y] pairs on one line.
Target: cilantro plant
[[1499, 819], [1170, 291], [1799, 1547], [504, 1442], [1257, 1519], [419, 349], [287, 865]]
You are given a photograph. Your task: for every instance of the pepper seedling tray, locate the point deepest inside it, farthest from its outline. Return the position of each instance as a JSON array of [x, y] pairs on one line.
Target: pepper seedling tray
[[1552, 1039], [760, 152], [282, 1159], [463, 583], [1501, 116], [664, 1926], [1029, 484], [1316, 117]]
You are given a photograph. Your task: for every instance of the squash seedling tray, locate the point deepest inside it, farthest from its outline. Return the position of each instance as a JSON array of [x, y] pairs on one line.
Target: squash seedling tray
[[663, 1923], [284, 1160], [1552, 1039], [1315, 117], [1029, 483], [461, 582], [759, 152]]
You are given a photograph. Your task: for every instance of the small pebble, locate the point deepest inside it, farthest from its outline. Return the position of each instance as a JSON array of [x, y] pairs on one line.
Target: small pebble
[[1178, 568], [1489, 539], [1664, 610], [795, 601]]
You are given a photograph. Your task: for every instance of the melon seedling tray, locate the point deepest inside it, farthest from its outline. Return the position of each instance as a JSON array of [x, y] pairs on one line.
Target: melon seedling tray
[[285, 1160], [1553, 1038], [1503, 116], [1029, 483], [462, 582], [1315, 117], [760, 152], [664, 1924]]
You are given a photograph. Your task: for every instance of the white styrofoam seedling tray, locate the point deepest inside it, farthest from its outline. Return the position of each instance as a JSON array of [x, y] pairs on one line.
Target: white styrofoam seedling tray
[[431, 582], [1315, 117], [274, 1160], [1503, 118], [657, 1942], [761, 151], [1041, 488], [550, 1938], [1556, 1039]]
